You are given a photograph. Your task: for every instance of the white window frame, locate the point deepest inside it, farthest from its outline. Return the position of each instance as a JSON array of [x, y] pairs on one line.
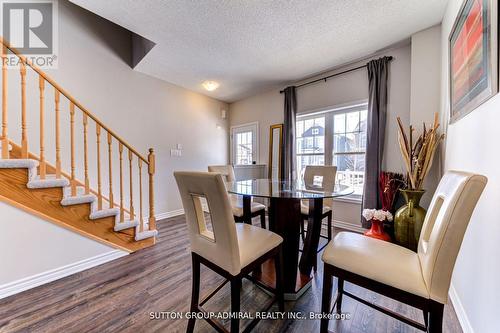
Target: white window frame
[[254, 128], [329, 113]]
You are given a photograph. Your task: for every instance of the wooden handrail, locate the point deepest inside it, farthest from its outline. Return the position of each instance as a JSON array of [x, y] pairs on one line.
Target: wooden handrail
[[99, 126], [71, 98]]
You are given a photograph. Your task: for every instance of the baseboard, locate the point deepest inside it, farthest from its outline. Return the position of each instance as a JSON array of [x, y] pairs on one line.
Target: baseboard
[[348, 226], [18, 286], [460, 311], [166, 215]]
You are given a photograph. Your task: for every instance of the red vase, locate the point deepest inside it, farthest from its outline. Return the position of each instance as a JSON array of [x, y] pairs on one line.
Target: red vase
[[377, 231]]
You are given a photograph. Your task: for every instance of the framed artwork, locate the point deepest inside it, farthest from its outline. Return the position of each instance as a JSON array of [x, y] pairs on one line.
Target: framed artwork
[[473, 57]]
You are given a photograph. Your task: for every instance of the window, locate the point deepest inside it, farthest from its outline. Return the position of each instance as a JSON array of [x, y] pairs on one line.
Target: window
[[334, 137], [244, 144], [310, 142]]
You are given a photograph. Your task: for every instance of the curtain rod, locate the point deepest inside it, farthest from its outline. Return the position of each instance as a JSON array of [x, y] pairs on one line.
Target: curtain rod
[[333, 75]]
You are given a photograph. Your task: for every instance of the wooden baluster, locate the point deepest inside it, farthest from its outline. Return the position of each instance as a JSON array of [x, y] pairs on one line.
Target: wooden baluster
[[130, 158], [151, 172], [122, 210], [86, 153], [24, 129], [5, 138], [58, 135], [110, 156], [141, 219], [99, 188], [72, 133], [43, 164]]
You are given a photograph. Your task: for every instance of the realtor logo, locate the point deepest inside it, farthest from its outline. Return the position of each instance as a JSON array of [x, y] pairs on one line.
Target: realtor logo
[[31, 28]]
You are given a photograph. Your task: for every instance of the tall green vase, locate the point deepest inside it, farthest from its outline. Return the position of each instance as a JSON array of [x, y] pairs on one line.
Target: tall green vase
[[409, 219]]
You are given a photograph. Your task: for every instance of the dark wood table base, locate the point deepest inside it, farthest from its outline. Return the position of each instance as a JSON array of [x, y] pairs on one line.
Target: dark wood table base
[[267, 276], [284, 219]]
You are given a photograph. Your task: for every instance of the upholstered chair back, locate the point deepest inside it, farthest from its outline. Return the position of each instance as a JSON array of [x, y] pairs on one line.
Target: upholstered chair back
[[226, 170], [219, 245], [322, 176], [444, 228]]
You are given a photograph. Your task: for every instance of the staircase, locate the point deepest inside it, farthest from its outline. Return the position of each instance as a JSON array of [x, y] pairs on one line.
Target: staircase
[[32, 183]]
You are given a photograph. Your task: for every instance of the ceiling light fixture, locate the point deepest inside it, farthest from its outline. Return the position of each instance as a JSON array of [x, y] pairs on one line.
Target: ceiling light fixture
[[210, 85]]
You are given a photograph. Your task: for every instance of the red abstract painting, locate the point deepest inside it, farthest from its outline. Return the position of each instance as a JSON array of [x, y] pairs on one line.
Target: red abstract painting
[[471, 59]]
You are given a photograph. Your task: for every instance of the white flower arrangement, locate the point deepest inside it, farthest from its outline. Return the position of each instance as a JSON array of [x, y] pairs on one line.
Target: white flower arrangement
[[377, 214]]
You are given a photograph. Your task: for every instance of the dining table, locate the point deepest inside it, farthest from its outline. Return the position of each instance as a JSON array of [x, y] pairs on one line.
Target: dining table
[[284, 211]]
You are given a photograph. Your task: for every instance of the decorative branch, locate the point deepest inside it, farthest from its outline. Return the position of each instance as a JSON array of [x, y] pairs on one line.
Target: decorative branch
[[418, 156]]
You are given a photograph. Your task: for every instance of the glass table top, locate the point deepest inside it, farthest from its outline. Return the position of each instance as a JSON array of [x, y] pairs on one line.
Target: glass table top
[[267, 188]]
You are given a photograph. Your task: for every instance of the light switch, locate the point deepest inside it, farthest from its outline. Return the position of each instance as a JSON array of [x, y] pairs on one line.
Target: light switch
[[175, 152]]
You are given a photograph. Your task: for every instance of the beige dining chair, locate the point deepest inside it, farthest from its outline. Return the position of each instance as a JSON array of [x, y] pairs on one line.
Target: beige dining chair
[[321, 176], [231, 249], [419, 279], [256, 209]]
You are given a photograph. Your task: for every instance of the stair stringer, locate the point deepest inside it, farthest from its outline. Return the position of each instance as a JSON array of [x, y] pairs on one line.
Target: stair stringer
[[21, 187]]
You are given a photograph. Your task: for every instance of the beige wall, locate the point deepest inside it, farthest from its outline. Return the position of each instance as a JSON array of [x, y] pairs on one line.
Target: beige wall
[[145, 111], [472, 145], [267, 109], [425, 99]]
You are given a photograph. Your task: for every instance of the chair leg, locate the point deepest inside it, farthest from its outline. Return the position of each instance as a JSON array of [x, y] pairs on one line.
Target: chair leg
[[340, 294], [235, 304], [302, 232], [280, 281], [263, 219], [435, 318], [195, 293], [326, 299], [330, 218]]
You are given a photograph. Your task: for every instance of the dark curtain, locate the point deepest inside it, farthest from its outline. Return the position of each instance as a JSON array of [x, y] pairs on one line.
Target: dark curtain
[[288, 156], [375, 127]]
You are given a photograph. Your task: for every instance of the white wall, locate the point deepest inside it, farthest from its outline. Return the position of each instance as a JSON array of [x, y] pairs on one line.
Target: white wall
[[425, 99], [267, 109], [472, 145], [31, 247], [145, 111]]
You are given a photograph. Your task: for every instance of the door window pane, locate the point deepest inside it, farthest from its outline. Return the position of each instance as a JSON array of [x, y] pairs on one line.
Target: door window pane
[[244, 147]]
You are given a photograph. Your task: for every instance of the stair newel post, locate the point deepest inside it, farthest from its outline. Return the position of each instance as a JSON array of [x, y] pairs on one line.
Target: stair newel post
[[43, 164], [130, 158], [151, 172], [72, 134], [58, 134], [122, 210], [141, 214], [24, 126], [99, 184], [86, 153], [110, 158], [5, 138]]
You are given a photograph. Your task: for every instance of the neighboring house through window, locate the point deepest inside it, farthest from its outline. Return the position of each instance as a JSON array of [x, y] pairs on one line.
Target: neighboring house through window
[[334, 136]]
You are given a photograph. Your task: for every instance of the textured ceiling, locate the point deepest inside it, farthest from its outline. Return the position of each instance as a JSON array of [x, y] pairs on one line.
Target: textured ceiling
[[252, 45]]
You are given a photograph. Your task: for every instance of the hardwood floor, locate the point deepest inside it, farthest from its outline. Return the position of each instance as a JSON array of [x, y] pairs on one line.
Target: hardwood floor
[[120, 296]]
